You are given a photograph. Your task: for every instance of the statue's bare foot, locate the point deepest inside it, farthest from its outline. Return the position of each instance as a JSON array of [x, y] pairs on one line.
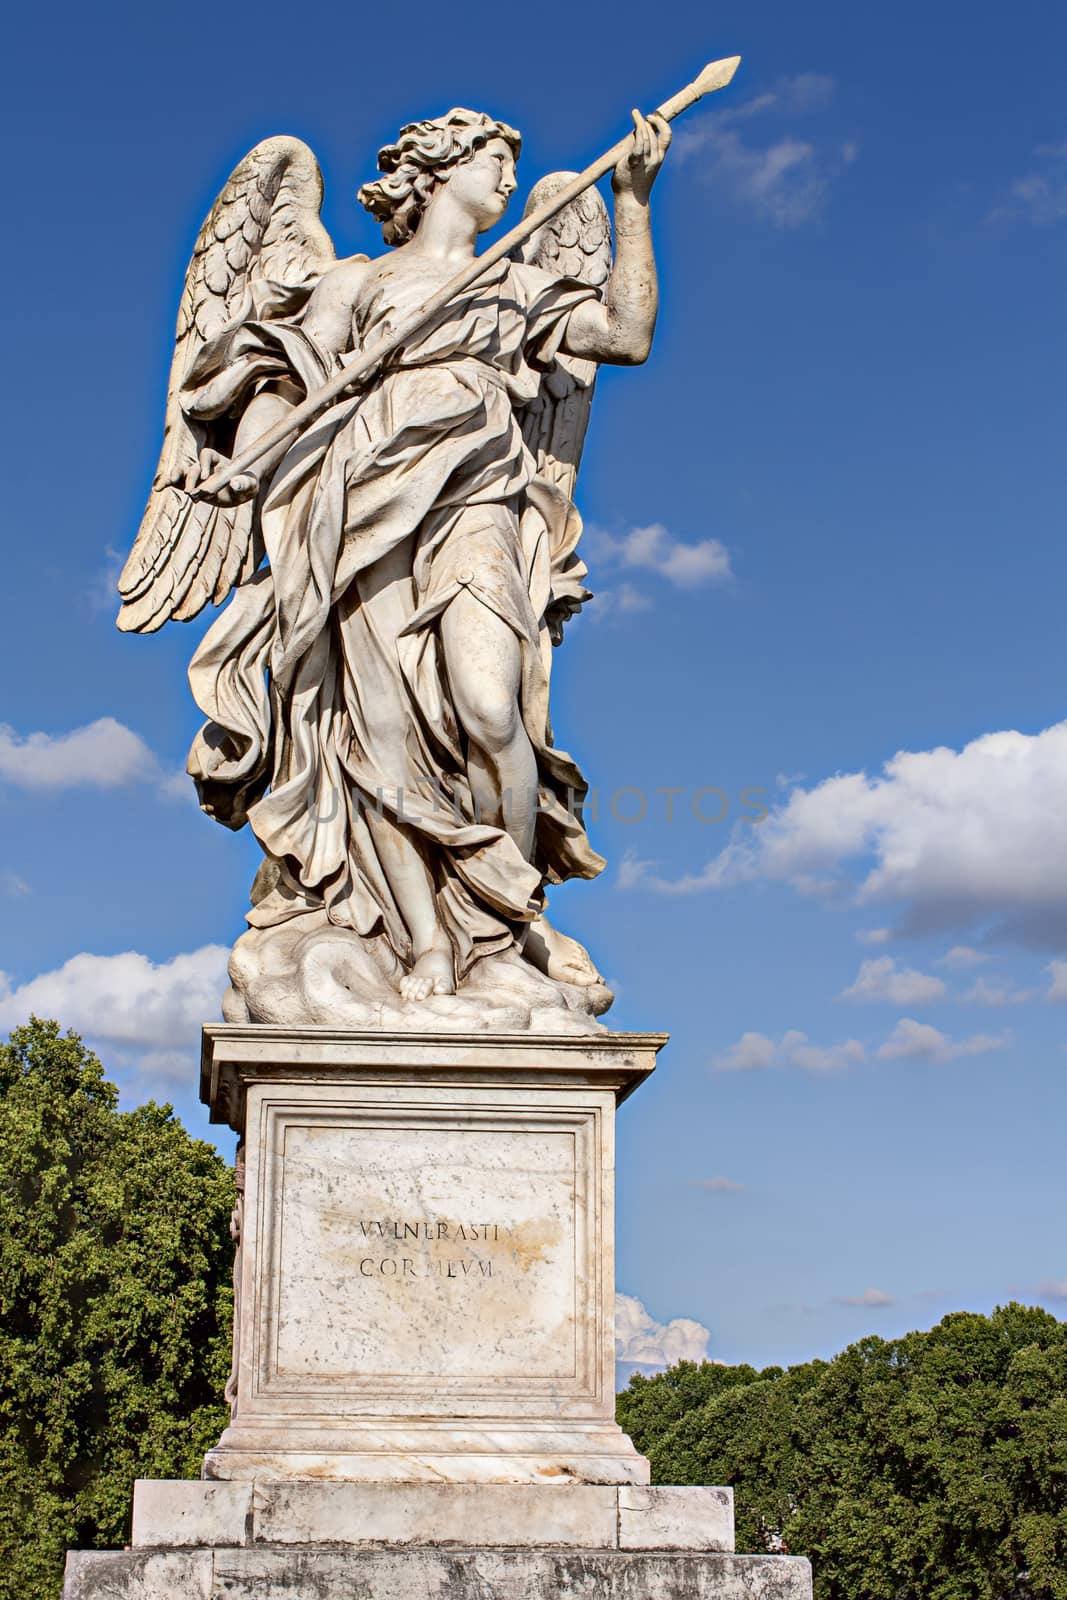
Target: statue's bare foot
[[558, 956], [433, 973]]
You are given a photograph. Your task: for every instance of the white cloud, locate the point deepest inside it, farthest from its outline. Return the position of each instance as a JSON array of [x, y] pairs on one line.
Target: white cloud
[[874, 935], [1057, 971], [802, 93], [632, 870], [718, 1185], [991, 992], [1053, 1289], [1040, 195], [783, 179], [150, 1074], [640, 1339], [918, 1041], [960, 957], [799, 1052], [623, 601], [124, 999], [14, 885], [165, 1066], [881, 979], [874, 1299], [102, 592], [178, 786], [653, 549], [103, 755], [959, 839], [805, 91], [781, 182], [754, 1052]]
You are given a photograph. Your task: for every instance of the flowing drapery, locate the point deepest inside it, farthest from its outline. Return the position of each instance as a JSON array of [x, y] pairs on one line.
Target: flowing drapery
[[330, 719]]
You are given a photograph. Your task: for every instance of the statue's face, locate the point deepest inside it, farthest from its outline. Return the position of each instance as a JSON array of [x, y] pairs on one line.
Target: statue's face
[[485, 183]]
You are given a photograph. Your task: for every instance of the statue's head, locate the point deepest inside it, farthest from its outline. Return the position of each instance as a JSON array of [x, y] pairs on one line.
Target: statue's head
[[466, 146]]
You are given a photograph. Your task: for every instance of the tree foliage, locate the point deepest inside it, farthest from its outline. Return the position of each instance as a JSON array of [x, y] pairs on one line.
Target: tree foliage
[[931, 1467], [115, 1304]]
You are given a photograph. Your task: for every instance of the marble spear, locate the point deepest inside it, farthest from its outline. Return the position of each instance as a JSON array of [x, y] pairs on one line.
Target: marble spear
[[716, 75]]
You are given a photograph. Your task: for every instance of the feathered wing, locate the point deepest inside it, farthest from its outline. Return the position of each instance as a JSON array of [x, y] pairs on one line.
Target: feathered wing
[[576, 243], [264, 224]]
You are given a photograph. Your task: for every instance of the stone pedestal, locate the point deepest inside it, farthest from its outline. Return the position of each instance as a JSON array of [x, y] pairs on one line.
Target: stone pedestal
[[426, 1282], [423, 1391]]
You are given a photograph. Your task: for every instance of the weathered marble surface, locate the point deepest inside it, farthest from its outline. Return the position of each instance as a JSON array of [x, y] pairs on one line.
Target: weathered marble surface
[[308, 972], [426, 1276], [377, 693], [420, 1255], [574, 1516], [425, 1573], [669, 1517]]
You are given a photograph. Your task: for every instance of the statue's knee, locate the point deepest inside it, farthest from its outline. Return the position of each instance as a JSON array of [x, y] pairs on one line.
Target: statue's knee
[[493, 724]]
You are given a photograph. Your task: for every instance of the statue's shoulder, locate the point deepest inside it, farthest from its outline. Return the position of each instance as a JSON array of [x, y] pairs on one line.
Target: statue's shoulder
[[338, 292], [352, 273]]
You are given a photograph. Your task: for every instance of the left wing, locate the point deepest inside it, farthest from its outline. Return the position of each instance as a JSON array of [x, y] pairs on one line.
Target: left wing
[[264, 224]]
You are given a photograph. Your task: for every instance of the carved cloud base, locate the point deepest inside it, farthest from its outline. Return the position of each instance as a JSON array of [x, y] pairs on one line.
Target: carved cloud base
[[426, 1278], [308, 973]]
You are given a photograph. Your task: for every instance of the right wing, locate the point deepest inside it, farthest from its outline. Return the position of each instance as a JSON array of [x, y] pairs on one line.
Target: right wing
[[264, 224], [576, 243]]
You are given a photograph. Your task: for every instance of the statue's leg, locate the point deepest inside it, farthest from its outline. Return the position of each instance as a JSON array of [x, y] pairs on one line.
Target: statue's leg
[[558, 955], [370, 617], [412, 887], [484, 664]]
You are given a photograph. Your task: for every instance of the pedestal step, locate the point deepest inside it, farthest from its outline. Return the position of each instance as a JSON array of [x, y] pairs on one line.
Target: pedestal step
[[404, 1541], [188, 1514], [412, 1573]]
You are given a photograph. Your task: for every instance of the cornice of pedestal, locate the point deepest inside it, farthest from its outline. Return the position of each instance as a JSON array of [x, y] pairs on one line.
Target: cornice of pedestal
[[236, 1055]]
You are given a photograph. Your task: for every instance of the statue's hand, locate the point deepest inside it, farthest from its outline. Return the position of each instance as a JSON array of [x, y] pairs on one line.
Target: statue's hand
[[636, 172], [558, 614], [243, 487]]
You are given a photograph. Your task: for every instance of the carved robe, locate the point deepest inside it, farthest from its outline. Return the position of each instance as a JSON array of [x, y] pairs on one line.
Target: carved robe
[[330, 717]]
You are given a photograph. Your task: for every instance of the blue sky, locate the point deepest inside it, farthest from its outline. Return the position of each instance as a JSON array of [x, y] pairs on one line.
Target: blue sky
[[825, 524]]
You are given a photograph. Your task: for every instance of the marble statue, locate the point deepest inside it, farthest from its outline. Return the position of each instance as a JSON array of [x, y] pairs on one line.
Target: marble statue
[[370, 465], [395, 571]]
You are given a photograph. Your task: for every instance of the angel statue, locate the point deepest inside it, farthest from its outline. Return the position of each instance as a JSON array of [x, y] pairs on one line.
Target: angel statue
[[395, 574]]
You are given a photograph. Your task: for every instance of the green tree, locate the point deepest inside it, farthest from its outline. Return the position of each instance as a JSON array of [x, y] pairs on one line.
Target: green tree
[[931, 1467], [115, 1304]]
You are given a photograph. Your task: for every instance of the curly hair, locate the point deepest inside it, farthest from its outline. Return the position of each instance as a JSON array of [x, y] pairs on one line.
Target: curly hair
[[419, 161]]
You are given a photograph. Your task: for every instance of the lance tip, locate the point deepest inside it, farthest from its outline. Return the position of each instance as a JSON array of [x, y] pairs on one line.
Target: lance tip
[[717, 74]]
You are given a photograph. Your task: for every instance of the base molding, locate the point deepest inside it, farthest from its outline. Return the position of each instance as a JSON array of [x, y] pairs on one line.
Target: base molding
[[434, 1453]]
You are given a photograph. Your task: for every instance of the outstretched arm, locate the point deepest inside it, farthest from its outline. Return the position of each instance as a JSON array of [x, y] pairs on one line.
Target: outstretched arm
[[618, 330]]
